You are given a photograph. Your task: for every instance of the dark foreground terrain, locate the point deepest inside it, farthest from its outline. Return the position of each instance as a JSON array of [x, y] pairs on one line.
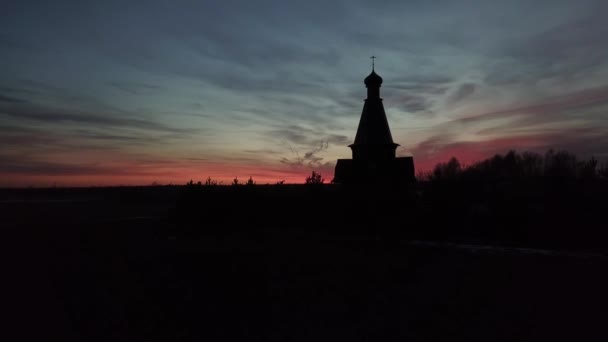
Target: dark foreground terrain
[[303, 264]]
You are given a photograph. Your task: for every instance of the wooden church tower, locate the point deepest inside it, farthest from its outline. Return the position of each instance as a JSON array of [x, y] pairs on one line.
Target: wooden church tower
[[373, 150]]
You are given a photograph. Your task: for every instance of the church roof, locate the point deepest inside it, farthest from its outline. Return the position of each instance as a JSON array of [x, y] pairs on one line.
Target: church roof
[[373, 126]]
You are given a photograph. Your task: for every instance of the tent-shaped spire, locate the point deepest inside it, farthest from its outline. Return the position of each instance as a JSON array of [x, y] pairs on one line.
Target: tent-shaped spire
[[373, 140]]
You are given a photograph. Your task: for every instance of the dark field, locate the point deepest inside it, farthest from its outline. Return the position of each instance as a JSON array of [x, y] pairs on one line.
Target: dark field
[[297, 263]]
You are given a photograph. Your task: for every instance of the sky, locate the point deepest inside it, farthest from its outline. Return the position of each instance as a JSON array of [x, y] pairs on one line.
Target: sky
[[164, 91]]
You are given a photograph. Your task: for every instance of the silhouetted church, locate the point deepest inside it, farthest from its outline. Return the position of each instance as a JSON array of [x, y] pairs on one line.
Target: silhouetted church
[[374, 158]]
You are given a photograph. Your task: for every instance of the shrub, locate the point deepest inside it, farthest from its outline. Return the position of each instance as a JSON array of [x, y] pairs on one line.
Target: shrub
[[191, 184], [210, 182], [315, 178]]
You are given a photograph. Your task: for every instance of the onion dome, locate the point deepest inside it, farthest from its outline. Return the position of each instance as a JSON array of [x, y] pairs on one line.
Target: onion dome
[[373, 80]]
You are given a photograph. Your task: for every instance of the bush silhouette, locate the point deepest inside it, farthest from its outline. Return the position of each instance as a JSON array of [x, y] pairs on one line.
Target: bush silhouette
[[210, 182], [191, 184], [315, 178]]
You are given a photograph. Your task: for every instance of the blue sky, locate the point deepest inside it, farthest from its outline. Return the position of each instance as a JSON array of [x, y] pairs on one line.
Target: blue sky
[[134, 92]]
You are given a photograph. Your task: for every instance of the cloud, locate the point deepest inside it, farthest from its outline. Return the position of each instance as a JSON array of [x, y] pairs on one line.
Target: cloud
[[423, 87], [134, 88], [22, 91], [563, 51], [413, 103], [298, 135], [10, 43], [39, 163], [553, 106], [462, 92], [306, 147], [17, 137], [264, 151], [310, 158], [416, 93], [58, 116], [31, 167], [118, 138], [10, 99]]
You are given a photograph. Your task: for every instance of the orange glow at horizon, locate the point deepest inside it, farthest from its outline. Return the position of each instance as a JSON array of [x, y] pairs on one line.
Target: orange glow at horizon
[[167, 175], [164, 172]]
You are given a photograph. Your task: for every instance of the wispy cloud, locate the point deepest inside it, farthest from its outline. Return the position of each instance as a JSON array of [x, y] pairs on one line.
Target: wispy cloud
[[462, 92], [554, 106], [11, 99], [57, 116], [135, 88]]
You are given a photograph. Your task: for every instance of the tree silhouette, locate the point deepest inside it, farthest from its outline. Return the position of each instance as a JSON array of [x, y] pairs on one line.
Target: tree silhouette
[[602, 171], [446, 171], [561, 164], [557, 165]]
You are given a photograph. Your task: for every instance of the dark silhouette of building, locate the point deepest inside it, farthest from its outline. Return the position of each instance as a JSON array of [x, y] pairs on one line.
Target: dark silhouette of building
[[374, 158]]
